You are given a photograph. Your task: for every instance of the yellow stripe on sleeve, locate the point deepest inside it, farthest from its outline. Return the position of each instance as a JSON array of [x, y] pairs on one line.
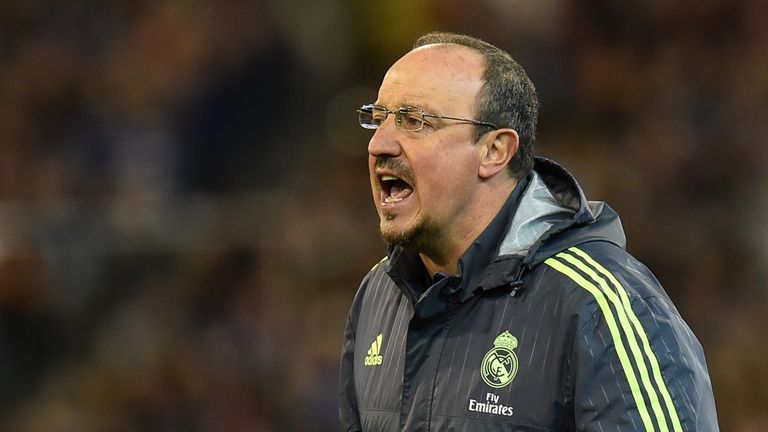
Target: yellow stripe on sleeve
[[652, 359], [618, 343]]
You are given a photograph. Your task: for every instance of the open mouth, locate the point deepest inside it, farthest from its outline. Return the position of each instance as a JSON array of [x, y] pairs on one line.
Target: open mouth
[[394, 189]]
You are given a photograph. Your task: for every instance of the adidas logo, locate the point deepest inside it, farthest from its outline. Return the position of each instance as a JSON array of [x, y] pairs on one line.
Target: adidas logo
[[374, 357]]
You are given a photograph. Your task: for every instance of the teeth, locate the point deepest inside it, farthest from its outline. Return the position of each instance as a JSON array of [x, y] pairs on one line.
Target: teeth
[[391, 199], [388, 177]]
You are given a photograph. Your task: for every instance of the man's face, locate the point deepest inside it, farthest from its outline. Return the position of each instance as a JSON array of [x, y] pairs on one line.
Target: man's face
[[424, 182]]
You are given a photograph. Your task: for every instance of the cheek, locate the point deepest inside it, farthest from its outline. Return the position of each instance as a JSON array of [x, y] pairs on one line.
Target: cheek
[[447, 179], [444, 169]]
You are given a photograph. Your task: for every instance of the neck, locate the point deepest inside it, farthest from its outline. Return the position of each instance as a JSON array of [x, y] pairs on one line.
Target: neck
[[444, 256]]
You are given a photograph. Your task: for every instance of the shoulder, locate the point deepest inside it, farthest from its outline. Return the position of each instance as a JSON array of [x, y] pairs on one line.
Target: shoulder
[[376, 278], [621, 297], [607, 282], [604, 266], [376, 288]]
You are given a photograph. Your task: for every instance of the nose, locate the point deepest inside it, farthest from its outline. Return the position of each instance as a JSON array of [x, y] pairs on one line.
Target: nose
[[385, 141]]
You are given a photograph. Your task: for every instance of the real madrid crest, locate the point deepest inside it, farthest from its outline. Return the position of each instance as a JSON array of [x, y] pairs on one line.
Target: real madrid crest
[[500, 363]]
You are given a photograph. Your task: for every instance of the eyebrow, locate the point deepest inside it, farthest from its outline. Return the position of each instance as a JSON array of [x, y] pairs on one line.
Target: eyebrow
[[407, 104]]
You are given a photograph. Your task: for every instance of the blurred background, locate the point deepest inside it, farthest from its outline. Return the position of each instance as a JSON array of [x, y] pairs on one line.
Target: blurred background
[[184, 204]]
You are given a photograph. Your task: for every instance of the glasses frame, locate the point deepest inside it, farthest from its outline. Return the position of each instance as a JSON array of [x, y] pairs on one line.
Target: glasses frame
[[399, 112]]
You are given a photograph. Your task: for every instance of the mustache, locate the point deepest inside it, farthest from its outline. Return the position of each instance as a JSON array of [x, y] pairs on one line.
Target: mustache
[[397, 166]]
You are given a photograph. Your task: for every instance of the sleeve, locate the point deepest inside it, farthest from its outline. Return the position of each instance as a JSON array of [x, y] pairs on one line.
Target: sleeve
[[635, 365], [640, 368], [348, 412]]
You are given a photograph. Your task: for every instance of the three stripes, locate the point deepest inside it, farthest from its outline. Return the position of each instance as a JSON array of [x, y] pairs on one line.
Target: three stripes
[[375, 348], [629, 337]]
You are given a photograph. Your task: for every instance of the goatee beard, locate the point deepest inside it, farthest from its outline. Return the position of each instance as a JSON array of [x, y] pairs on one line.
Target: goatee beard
[[422, 238]]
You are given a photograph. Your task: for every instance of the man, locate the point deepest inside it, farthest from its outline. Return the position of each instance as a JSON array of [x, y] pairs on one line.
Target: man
[[506, 300]]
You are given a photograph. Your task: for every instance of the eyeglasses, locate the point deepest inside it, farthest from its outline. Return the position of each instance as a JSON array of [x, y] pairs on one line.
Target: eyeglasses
[[407, 118]]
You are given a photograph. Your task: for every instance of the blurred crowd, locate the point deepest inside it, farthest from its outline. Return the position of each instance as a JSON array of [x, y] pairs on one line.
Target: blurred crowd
[[185, 214]]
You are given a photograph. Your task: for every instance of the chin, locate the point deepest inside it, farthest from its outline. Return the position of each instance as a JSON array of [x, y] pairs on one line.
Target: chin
[[418, 236], [393, 234]]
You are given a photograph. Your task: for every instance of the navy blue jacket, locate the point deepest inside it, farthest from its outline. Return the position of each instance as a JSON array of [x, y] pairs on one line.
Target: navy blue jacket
[[549, 325]]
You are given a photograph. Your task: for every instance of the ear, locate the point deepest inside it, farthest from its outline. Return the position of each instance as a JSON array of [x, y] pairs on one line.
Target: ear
[[498, 148]]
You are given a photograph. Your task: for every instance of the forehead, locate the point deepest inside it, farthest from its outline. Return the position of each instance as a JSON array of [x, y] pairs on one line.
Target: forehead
[[441, 77]]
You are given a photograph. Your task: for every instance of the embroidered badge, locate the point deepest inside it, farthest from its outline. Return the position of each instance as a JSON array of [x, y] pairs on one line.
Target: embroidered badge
[[500, 363]]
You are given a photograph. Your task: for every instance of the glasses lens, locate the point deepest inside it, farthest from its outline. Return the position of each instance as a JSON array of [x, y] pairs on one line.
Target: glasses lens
[[372, 116], [410, 119]]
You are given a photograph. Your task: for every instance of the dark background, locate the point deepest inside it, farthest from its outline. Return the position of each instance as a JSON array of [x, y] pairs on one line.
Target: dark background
[[185, 212]]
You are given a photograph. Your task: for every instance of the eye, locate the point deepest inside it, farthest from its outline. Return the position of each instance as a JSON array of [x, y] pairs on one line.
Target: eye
[[378, 115], [411, 119]]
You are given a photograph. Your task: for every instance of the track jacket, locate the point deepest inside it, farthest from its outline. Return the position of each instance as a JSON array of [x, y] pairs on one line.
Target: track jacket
[[549, 325]]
